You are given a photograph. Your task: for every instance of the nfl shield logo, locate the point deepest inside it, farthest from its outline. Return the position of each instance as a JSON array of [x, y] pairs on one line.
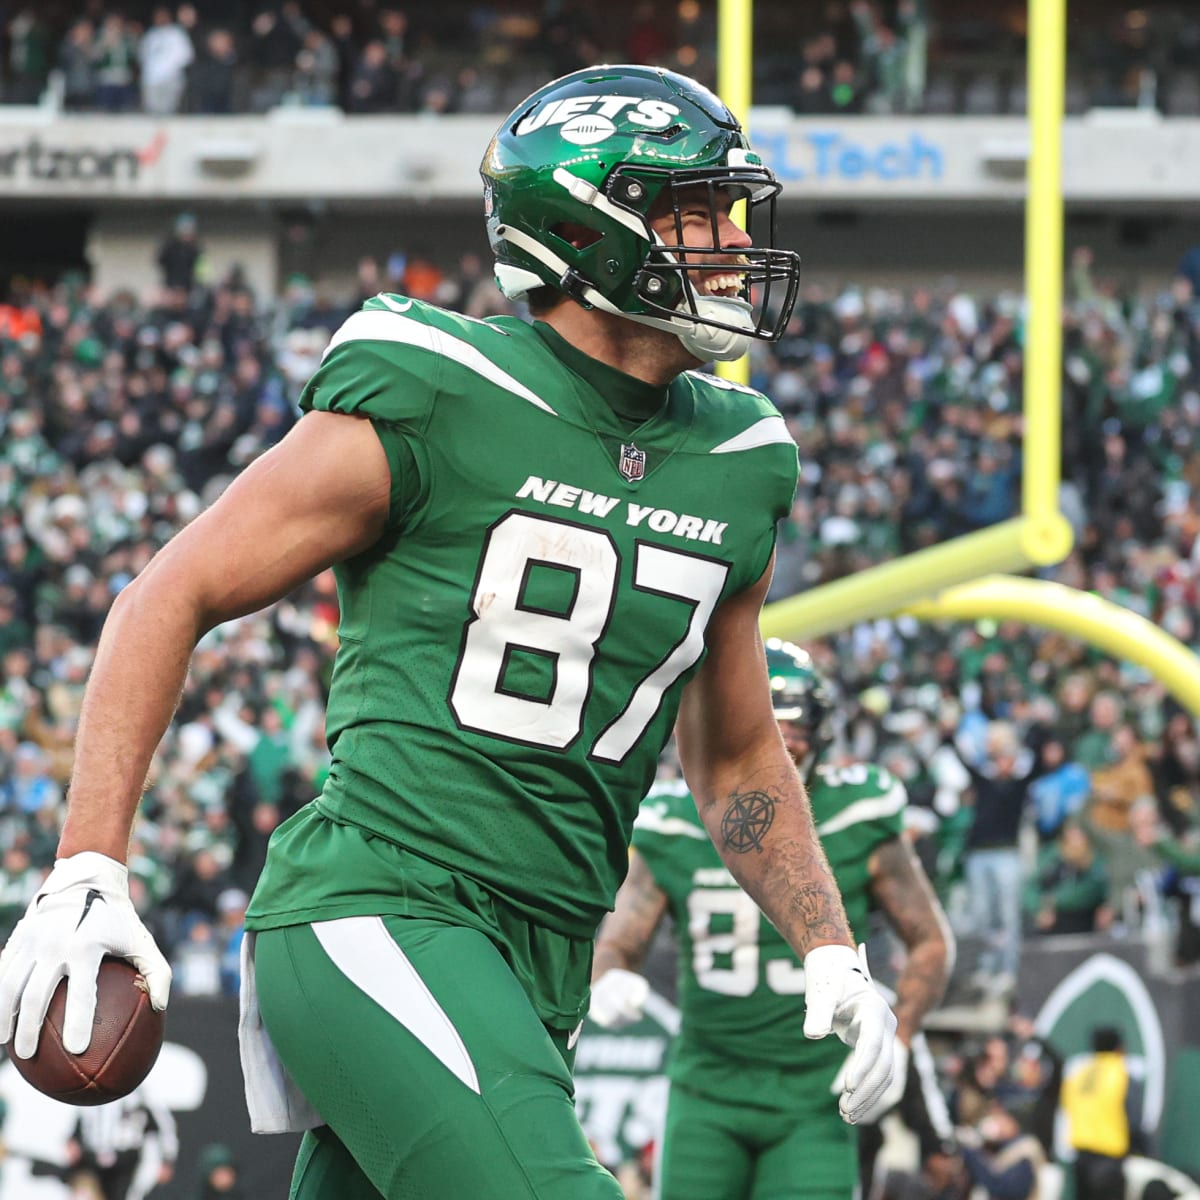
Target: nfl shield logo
[[633, 462]]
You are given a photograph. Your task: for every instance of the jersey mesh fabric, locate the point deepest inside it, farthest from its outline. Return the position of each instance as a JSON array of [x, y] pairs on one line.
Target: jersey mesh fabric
[[441, 741]]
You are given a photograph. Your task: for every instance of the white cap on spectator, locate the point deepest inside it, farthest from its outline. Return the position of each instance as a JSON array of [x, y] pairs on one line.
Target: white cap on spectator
[[68, 508], [232, 900]]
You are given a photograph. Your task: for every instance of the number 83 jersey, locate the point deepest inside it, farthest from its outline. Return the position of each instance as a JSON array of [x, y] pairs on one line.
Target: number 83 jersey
[[512, 651], [740, 984]]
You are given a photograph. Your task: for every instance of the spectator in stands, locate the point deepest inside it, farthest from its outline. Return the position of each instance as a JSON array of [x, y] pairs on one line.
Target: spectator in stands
[[1060, 791], [403, 69], [116, 64], [198, 886], [1130, 865], [975, 1085], [212, 80], [1071, 885], [315, 81], [76, 61], [1037, 1073], [989, 494], [1181, 857], [373, 82], [231, 908], [341, 37], [179, 254], [1094, 747], [845, 92], [1100, 1101], [1176, 770], [33, 788], [992, 861], [275, 39], [1001, 1160], [812, 92], [29, 56], [1117, 786], [19, 881], [217, 1175], [165, 54]]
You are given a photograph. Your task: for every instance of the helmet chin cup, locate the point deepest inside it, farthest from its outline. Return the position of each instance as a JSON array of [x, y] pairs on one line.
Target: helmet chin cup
[[707, 342]]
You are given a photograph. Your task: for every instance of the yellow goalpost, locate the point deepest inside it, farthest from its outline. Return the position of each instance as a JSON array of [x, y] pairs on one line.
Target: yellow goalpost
[[956, 580]]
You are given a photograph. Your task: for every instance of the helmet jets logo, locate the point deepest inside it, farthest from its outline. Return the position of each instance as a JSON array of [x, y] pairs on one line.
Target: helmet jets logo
[[585, 120]]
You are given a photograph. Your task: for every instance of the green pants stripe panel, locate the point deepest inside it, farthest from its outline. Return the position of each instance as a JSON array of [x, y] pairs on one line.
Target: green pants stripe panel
[[362, 949], [416, 1044]]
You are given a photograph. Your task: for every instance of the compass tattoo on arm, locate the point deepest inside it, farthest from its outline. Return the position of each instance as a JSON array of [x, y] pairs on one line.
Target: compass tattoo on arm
[[746, 821]]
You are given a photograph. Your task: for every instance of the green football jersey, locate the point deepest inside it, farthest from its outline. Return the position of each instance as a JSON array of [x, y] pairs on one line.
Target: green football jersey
[[740, 984], [513, 649]]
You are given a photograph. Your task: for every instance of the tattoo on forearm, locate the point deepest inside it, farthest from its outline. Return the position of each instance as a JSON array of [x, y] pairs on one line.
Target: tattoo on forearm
[[766, 836], [746, 822], [819, 909]]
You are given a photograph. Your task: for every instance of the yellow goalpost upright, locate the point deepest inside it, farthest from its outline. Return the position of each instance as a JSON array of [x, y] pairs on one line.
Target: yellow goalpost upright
[[957, 580]]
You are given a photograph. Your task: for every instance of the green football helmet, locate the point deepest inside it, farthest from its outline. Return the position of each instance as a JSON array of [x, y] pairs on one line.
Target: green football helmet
[[800, 693], [609, 149]]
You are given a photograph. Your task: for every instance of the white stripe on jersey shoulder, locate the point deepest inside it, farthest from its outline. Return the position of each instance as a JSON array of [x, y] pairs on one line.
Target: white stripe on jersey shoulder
[[655, 820], [871, 809], [376, 325], [363, 950], [766, 432]]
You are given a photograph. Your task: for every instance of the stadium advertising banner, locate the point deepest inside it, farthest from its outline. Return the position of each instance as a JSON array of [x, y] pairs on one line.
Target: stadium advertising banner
[[620, 1086], [1107, 157]]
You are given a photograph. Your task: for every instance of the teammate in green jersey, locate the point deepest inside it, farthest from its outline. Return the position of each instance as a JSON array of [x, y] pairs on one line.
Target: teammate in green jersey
[[750, 1114], [550, 540]]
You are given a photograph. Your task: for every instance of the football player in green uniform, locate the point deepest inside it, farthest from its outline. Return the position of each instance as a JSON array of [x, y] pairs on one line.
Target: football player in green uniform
[[550, 539], [750, 1114]]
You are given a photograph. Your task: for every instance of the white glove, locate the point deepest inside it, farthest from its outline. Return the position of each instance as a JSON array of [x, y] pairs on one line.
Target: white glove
[[840, 998], [81, 913], [890, 1096], [618, 998]]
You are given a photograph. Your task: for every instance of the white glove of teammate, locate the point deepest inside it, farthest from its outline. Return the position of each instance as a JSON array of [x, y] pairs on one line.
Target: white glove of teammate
[[82, 912], [618, 998], [840, 998], [890, 1096]]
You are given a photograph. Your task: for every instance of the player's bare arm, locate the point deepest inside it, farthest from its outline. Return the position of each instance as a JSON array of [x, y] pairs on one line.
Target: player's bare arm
[[627, 932], [293, 512], [903, 892], [747, 790]]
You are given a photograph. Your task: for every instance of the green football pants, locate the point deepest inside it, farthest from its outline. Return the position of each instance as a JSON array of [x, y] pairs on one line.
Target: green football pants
[[715, 1150], [422, 1053]]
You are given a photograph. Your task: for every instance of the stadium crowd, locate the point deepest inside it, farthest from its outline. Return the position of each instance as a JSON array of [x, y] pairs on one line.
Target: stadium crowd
[[841, 57], [1029, 758]]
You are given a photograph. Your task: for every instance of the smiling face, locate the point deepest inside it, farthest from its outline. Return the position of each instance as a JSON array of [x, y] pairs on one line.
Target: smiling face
[[701, 217]]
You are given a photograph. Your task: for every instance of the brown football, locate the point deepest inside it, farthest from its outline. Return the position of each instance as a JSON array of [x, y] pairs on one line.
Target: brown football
[[127, 1035]]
